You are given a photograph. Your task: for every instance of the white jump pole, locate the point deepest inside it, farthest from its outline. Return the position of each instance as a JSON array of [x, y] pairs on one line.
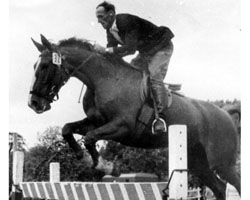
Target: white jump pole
[[17, 170], [18, 167], [177, 138], [54, 172]]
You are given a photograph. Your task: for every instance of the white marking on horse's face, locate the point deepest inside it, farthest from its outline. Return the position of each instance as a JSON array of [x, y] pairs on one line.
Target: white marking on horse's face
[[33, 80]]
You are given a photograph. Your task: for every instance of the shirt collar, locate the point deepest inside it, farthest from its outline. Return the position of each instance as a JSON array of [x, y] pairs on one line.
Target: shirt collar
[[114, 26]]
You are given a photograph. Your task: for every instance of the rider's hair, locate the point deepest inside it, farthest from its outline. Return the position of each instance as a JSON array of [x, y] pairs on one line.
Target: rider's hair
[[107, 6]]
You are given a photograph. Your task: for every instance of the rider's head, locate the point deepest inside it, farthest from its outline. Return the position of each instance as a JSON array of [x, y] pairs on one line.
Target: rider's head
[[105, 13]]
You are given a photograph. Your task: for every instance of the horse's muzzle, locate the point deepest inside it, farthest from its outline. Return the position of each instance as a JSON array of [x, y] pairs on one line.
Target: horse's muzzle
[[39, 105]]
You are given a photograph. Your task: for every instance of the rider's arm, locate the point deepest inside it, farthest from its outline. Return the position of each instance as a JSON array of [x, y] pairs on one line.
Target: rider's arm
[[128, 48]]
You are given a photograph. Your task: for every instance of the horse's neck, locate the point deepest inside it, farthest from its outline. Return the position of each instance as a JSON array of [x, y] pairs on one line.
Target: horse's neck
[[92, 68], [77, 63], [74, 56]]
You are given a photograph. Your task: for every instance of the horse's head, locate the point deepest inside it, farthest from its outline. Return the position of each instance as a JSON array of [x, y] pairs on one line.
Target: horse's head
[[70, 57], [49, 76]]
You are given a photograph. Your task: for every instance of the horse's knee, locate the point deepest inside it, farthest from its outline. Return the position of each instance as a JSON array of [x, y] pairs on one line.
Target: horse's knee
[[66, 131]]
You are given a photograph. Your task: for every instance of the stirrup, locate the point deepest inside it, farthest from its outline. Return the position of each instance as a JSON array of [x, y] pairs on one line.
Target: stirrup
[[164, 124]]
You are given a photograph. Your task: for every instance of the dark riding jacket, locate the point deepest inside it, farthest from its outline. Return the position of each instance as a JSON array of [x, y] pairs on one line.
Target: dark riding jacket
[[138, 34]]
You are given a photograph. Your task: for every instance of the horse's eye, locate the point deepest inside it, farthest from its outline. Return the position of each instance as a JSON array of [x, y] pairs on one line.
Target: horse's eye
[[44, 66]]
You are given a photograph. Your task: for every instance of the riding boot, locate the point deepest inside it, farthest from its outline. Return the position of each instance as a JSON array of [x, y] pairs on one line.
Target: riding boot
[[159, 94]]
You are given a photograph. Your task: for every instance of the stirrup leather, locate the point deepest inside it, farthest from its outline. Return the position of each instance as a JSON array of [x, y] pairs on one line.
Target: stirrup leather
[[164, 124]]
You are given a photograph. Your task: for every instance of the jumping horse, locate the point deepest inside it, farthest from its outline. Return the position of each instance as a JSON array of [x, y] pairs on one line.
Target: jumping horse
[[112, 103]]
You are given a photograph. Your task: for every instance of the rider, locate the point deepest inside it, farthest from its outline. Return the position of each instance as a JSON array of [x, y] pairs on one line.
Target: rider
[[127, 34]]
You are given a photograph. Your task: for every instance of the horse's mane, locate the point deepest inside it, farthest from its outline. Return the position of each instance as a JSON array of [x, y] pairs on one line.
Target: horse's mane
[[76, 42], [85, 44]]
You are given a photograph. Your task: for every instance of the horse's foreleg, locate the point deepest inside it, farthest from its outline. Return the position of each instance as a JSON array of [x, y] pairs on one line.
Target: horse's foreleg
[[113, 130], [79, 127], [110, 131]]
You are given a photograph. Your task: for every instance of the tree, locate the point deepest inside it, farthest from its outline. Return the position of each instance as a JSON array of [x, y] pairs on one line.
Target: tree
[[51, 148], [131, 160], [126, 159]]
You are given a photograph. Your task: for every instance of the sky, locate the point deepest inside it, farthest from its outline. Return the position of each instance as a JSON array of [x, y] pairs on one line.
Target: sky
[[210, 60], [206, 58]]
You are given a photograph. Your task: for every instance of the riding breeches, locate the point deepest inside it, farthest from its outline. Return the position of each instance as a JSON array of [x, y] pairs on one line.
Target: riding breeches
[[157, 66]]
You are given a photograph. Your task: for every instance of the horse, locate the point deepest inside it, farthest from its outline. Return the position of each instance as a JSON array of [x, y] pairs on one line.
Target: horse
[[112, 103]]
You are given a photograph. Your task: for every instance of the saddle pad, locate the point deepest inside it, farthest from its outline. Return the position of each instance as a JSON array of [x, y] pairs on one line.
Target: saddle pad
[[170, 88]]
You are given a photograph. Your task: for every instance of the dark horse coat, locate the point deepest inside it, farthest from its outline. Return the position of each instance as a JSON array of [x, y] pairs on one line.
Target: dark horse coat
[[112, 103]]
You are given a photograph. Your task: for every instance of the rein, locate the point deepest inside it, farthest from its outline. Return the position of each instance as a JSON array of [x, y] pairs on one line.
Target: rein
[[71, 74], [75, 70]]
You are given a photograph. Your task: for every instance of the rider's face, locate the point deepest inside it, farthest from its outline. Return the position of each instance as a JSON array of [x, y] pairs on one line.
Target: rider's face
[[104, 18]]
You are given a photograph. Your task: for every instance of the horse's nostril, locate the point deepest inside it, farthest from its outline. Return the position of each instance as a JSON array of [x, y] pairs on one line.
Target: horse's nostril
[[34, 103]]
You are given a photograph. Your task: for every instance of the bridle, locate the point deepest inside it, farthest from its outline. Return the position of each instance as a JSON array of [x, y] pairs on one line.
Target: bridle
[[58, 60]]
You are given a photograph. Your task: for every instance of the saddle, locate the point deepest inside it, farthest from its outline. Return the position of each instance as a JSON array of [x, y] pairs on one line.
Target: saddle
[[147, 110]]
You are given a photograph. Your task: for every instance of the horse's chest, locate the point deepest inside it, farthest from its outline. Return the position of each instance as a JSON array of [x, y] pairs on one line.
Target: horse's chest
[[107, 106]]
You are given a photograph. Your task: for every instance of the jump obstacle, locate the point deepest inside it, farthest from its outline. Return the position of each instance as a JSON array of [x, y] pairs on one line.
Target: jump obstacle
[[56, 190]]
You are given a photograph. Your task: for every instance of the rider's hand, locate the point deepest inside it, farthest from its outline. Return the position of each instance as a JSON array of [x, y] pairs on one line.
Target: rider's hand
[[99, 48]]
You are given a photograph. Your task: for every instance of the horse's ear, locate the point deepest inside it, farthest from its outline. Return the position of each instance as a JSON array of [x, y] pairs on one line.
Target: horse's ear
[[46, 42], [38, 45]]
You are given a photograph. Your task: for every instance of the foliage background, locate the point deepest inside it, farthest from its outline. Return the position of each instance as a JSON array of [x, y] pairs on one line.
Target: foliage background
[[127, 159]]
